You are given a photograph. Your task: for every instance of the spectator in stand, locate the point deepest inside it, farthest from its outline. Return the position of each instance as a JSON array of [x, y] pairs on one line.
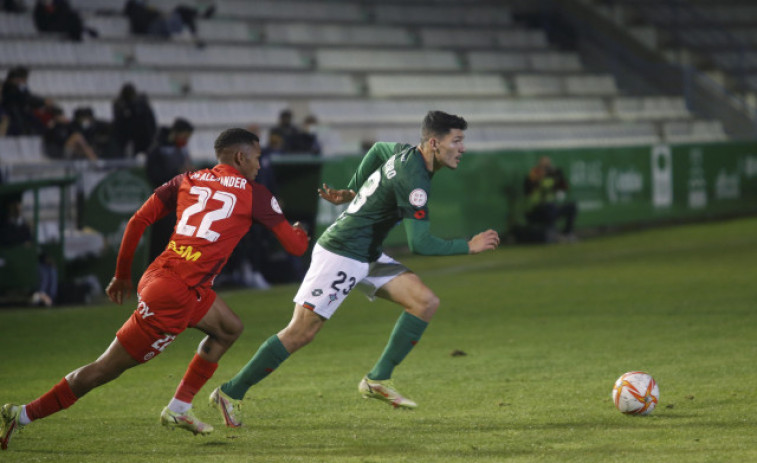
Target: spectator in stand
[[15, 231], [167, 158], [146, 19], [306, 140], [13, 228], [59, 16], [266, 175], [275, 145], [283, 140], [96, 132], [134, 125], [25, 110], [13, 6], [546, 189], [286, 138], [283, 136], [63, 140]]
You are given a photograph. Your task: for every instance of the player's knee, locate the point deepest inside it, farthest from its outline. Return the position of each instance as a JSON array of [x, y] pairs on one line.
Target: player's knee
[[425, 305], [431, 303], [301, 330], [226, 339], [234, 328], [296, 336], [301, 338], [306, 337], [238, 330]]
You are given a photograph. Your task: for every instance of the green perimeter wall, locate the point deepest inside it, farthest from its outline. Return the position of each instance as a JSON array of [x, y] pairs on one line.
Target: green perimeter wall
[[611, 186]]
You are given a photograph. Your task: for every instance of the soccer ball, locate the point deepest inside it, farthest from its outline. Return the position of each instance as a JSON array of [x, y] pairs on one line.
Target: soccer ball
[[635, 393]]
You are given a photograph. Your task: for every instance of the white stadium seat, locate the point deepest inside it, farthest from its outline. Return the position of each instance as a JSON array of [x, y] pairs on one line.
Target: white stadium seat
[[346, 35], [364, 60], [273, 83], [380, 85]]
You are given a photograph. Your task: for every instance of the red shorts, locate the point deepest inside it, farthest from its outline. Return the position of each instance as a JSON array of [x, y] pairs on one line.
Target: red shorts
[[167, 306]]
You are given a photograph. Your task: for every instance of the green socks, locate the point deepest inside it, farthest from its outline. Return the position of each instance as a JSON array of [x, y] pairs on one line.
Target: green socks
[[272, 353], [407, 332], [268, 357]]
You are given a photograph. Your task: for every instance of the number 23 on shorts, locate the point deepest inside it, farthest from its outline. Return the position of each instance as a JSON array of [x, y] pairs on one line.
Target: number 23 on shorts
[[343, 283]]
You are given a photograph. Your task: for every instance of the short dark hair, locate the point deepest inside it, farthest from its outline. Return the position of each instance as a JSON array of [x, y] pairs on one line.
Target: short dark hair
[[83, 111], [18, 72], [56, 111], [232, 137], [128, 92], [182, 125], [439, 124]]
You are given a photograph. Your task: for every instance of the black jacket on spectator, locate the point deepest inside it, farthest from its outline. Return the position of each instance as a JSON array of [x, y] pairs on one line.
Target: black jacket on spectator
[[13, 229], [165, 160], [141, 16], [55, 137], [13, 6], [133, 122], [58, 16], [96, 132], [20, 104]]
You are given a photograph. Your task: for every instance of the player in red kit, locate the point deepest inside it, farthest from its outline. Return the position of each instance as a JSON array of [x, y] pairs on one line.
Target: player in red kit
[[214, 209]]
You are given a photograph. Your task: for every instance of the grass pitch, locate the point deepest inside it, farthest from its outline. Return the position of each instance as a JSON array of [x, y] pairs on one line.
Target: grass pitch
[[546, 330]]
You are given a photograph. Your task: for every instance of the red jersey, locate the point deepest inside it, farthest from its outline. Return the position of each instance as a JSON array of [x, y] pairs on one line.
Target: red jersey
[[214, 208]]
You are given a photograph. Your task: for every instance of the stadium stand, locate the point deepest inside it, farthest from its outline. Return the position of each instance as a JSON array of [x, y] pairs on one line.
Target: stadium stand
[[13, 25], [408, 85], [369, 70], [21, 150], [303, 52], [309, 34], [712, 40]]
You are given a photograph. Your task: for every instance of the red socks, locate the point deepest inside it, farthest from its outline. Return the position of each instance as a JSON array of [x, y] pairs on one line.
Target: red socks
[[61, 396], [198, 373], [56, 399]]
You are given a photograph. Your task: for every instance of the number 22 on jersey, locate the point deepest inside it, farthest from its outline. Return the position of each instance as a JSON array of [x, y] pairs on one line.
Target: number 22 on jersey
[[228, 201]]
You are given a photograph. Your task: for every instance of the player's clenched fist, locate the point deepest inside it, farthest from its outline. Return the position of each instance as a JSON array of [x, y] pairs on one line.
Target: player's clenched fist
[[484, 241]]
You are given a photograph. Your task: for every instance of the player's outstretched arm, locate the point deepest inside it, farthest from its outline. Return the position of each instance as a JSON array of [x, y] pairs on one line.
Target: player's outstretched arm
[[266, 211], [118, 289], [335, 196], [294, 238], [484, 241]]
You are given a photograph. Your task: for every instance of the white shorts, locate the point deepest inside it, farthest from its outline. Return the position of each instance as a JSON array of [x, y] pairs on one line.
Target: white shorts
[[331, 277]]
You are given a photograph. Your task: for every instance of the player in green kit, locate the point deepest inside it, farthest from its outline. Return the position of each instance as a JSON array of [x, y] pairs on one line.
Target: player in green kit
[[394, 181]]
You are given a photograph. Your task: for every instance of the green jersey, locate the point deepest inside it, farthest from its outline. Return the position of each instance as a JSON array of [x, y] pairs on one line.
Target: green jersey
[[395, 186]]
